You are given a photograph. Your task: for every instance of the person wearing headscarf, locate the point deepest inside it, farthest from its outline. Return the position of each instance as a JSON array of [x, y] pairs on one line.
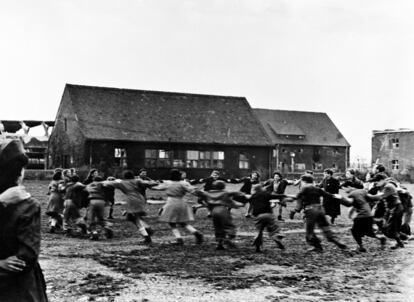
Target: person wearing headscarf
[[21, 278]]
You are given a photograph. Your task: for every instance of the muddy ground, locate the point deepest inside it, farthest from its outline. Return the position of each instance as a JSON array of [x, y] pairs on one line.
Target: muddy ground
[[123, 269]]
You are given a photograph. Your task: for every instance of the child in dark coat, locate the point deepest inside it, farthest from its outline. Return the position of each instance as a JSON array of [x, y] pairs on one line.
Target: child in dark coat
[[208, 186], [74, 201], [221, 202], [309, 200], [363, 222], [263, 216]]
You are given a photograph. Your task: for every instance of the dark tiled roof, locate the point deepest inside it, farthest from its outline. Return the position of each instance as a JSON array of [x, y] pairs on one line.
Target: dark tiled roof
[[153, 116], [300, 127]]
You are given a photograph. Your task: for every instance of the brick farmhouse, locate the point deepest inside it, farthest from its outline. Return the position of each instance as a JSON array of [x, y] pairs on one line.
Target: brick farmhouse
[[395, 150]]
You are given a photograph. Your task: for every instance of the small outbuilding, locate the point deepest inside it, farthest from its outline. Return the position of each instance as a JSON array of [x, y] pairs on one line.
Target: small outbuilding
[[304, 141]]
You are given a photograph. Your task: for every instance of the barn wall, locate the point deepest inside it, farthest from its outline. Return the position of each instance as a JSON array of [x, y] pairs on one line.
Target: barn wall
[[315, 158], [66, 143], [103, 158]]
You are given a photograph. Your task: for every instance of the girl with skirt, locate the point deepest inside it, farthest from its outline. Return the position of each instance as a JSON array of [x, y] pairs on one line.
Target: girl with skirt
[[96, 209], [176, 211], [21, 278], [55, 206], [135, 201]]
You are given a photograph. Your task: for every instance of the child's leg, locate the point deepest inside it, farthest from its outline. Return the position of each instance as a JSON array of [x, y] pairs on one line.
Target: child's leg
[[111, 210], [393, 225], [310, 222], [279, 217], [249, 210], [193, 230], [326, 229], [260, 224], [357, 233], [274, 231], [91, 217], [176, 233], [101, 220]]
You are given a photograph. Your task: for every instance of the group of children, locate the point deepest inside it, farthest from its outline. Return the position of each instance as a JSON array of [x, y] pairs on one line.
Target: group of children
[[378, 201]]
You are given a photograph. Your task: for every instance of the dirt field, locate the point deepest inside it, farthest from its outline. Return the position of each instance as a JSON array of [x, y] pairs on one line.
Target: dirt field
[[123, 269]]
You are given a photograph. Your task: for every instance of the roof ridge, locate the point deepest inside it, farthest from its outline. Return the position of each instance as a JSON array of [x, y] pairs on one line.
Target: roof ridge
[[285, 110], [152, 91]]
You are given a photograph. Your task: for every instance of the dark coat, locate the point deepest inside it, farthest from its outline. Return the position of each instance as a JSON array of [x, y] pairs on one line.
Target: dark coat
[[208, 182], [269, 186], [332, 207], [20, 236], [248, 183]]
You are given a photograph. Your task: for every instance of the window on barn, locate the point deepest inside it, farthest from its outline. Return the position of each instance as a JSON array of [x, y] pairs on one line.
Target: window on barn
[[158, 158], [317, 166], [178, 159], [395, 164], [205, 159], [120, 157], [151, 156], [243, 161], [178, 163], [395, 143], [192, 159], [218, 159], [300, 167], [164, 159]]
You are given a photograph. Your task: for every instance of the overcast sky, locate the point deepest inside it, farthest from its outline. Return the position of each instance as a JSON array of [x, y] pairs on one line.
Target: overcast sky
[[353, 59]]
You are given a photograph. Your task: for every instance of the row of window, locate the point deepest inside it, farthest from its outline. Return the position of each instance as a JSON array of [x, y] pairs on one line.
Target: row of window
[[302, 166], [160, 158]]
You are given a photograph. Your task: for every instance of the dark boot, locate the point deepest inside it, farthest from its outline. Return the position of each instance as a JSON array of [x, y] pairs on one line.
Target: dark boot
[[361, 249], [399, 244], [340, 245], [316, 247], [220, 246], [279, 243], [179, 241], [111, 212], [83, 228], [147, 240], [150, 231], [258, 242], [109, 234], [94, 235], [199, 237], [280, 218]]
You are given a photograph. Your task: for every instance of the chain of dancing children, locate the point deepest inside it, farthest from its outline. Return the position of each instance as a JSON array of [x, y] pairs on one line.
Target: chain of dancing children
[[378, 201]]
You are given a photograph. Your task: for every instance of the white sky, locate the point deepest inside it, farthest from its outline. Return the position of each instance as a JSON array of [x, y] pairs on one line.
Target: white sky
[[352, 59]]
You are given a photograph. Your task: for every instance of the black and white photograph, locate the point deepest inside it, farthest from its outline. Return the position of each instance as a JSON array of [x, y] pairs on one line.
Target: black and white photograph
[[196, 151]]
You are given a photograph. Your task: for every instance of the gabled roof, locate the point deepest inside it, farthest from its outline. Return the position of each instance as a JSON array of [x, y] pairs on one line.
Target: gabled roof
[[300, 127], [155, 116]]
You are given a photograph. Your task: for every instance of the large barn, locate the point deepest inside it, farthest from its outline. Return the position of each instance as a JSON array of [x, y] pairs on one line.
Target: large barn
[[112, 129], [304, 141]]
